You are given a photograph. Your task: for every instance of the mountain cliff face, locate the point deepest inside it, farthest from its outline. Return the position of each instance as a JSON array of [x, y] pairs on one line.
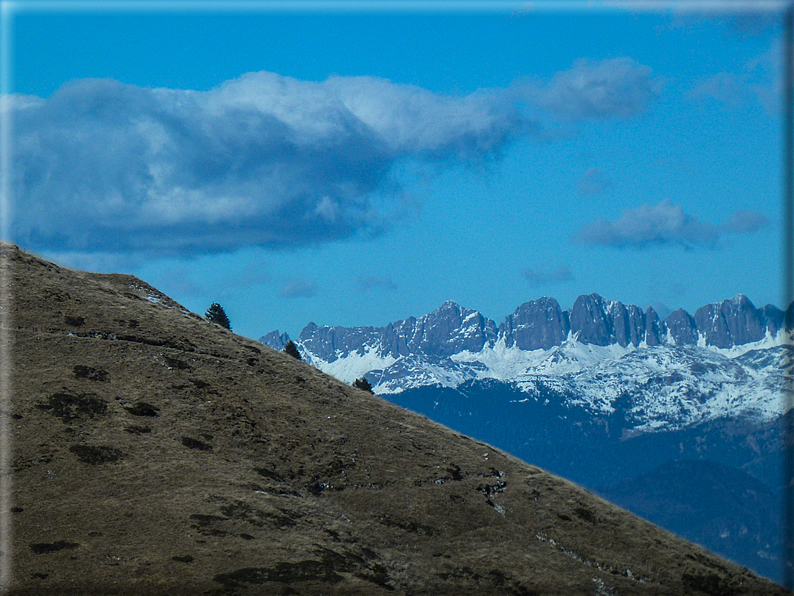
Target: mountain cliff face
[[683, 369], [537, 325], [446, 331]]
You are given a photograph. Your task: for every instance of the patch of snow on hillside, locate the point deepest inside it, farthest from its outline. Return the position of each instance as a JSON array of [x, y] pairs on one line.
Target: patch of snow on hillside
[[781, 338], [500, 362], [701, 340], [514, 364], [422, 376], [469, 317], [354, 365], [672, 387]]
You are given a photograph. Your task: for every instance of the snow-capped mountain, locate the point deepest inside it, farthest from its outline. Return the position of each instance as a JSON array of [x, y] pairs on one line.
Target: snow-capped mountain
[[728, 357]]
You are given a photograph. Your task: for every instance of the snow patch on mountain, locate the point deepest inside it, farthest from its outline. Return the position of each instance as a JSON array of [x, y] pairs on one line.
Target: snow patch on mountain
[[353, 365], [781, 338], [512, 363]]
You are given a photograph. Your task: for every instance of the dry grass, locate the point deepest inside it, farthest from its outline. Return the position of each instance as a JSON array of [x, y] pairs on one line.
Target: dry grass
[[156, 453]]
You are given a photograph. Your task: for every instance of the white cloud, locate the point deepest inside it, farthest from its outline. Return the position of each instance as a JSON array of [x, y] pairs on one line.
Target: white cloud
[[541, 276], [665, 224], [619, 87], [298, 288], [264, 160]]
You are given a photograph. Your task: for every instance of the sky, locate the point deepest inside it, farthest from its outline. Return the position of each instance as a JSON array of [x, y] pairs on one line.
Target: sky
[[356, 167]]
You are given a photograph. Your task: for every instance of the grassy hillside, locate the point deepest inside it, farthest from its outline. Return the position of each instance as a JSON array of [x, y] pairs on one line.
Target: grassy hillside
[[157, 453]]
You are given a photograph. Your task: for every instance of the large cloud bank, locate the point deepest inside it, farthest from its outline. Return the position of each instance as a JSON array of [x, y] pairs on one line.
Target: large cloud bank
[[263, 159]]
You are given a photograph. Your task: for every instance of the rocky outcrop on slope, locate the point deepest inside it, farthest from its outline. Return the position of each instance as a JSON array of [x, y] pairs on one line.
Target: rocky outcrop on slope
[[733, 322], [682, 327]]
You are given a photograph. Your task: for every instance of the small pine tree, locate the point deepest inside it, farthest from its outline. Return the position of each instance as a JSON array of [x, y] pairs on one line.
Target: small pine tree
[[216, 314], [292, 350], [362, 383]]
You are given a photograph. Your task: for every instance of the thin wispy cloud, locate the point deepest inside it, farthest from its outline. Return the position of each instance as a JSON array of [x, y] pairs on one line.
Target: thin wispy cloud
[[593, 182], [758, 24], [738, 21], [666, 223], [746, 222], [543, 276], [619, 87], [298, 288], [727, 88], [368, 283], [757, 81], [263, 160]]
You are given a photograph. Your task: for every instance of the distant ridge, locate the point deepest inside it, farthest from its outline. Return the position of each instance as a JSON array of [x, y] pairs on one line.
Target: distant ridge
[[542, 324], [540, 342]]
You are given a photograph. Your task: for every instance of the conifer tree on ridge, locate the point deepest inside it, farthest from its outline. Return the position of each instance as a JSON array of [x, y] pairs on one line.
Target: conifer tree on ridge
[[216, 314]]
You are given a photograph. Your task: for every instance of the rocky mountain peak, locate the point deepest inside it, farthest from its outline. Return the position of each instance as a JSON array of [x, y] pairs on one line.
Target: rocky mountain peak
[[275, 340], [591, 320], [310, 328], [654, 333], [775, 318], [448, 305], [595, 320], [451, 329], [731, 322], [536, 325], [682, 327]]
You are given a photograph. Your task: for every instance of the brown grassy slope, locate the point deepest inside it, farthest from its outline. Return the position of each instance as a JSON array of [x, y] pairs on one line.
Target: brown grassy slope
[[156, 453]]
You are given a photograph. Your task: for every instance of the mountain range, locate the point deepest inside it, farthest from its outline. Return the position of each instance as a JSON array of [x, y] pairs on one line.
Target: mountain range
[[728, 357], [542, 324]]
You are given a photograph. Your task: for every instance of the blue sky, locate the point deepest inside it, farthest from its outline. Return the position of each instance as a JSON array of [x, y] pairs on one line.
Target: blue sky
[[353, 168]]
